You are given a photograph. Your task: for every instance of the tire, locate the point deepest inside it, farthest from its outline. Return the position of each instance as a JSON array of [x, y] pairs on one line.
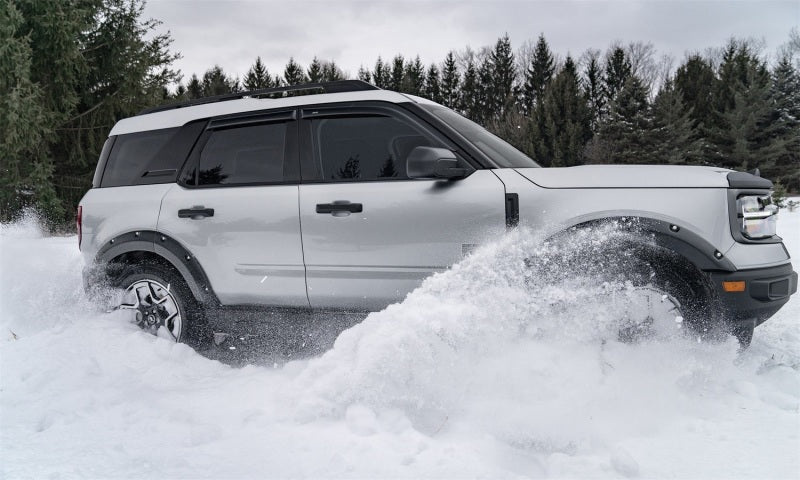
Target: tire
[[159, 301], [674, 281], [637, 270]]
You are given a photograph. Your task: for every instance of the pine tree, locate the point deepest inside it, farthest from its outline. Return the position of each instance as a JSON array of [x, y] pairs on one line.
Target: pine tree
[[25, 171], [257, 77], [398, 72], [785, 96], [414, 78], [566, 119], [538, 74], [450, 81], [672, 136], [194, 89], [364, 75], [618, 70], [743, 137], [623, 135], [433, 87], [216, 82], [331, 72], [593, 88], [696, 81], [94, 62], [293, 73], [315, 71], [381, 75], [499, 85], [468, 98]]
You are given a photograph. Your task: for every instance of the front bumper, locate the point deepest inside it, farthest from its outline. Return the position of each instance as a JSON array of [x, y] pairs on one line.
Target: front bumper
[[766, 291]]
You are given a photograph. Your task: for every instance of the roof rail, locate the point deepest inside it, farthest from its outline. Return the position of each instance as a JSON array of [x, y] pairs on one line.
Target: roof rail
[[326, 87]]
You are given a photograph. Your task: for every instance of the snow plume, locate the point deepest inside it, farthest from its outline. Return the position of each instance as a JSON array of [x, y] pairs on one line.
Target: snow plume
[[501, 366]]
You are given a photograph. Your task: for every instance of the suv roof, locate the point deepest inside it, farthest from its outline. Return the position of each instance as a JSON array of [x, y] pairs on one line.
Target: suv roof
[[176, 115]]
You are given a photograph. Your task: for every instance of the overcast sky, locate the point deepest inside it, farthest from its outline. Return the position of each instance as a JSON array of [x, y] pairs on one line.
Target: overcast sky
[[353, 33]]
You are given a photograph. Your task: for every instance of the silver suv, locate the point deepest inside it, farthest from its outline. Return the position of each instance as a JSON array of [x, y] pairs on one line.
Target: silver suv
[[344, 196]]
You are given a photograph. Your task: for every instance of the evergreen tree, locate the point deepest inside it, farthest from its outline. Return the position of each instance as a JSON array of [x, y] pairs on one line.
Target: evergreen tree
[[293, 73], [364, 75], [216, 82], [538, 74], [433, 87], [92, 63], [194, 89], [381, 75], [414, 78], [695, 80], [743, 137], [618, 70], [257, 77], [566, 119], [785, 96], [672, 136], [593, 88], [398, 73], [315, 71], [331, 72], [468, 98], [623, 135], [485, 93], [499, 85], [25, 123], [450, 81]]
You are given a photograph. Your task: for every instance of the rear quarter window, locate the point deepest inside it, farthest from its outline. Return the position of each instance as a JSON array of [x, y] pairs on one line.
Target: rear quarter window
[[135, 156]]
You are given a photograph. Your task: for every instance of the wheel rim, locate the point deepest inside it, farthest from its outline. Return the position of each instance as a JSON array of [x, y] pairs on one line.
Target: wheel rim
[[152, 306], [650, 311]]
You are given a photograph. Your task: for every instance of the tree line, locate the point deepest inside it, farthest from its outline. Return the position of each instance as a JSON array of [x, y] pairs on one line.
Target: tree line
[[70, 70]]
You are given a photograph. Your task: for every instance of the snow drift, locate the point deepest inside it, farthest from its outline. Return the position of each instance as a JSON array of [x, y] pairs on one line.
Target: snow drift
[[487, 370]]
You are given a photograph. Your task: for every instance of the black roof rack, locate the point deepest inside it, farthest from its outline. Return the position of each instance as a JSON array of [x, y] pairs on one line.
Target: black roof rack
[[326, 87]]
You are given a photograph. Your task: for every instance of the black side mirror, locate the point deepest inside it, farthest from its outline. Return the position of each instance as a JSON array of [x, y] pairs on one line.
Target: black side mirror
[[430, 162]]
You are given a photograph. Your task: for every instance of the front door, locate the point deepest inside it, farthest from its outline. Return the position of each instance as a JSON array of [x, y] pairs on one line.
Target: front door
[[371, 234]]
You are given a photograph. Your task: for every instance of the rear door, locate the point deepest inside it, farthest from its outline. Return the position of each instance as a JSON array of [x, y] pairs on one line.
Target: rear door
[[371, 234], [236, 209]]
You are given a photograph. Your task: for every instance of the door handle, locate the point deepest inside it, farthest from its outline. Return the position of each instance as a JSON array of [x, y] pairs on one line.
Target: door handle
[[196, 213], [340, 207]]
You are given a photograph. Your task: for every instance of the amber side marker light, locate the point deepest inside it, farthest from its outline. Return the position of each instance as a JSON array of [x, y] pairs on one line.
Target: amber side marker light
[[733, 286]]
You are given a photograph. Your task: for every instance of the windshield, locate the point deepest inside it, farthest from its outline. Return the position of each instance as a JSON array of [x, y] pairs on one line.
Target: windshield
[[497, 149]]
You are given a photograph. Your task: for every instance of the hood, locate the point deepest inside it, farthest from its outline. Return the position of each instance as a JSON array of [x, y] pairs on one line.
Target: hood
[[628, 176]]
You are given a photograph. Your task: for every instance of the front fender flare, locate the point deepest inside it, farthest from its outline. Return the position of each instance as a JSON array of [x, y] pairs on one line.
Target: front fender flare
[[701, 253]]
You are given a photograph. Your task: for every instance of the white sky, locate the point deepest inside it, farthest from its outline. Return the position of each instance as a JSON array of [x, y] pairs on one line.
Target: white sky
[[232, 33]]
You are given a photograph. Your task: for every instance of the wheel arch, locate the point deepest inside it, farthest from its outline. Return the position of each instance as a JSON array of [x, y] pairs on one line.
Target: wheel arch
[[140, 245], [672, 236]]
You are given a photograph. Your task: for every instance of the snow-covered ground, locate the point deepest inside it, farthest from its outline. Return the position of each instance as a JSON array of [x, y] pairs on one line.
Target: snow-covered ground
[[476, 374]]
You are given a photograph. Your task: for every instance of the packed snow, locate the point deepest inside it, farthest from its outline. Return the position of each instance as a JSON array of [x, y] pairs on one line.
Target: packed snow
[[486, 371]]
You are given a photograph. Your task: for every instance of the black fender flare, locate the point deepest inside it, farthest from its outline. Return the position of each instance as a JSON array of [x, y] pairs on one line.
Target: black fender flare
[[168, 249], [676, 238]]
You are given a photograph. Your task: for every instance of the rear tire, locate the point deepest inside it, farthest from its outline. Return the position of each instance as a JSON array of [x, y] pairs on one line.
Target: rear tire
[[159, 301]]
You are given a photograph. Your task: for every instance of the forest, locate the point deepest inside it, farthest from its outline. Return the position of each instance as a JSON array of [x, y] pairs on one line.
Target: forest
[[70, 70]]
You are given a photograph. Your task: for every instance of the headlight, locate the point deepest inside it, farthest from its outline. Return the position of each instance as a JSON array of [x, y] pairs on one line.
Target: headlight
[[758, 216]]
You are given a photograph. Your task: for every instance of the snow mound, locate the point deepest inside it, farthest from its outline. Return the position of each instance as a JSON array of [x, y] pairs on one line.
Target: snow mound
[[490, 369]]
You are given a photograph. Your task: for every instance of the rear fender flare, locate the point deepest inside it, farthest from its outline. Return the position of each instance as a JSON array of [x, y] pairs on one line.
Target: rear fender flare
[[168, 249]]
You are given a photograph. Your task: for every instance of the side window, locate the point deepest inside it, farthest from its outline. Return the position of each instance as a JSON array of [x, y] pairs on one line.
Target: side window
[[244, 155], [364, 148], [132, 154]]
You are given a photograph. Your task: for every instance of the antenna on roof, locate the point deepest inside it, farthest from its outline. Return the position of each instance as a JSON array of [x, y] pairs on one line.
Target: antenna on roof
[[324, 87]]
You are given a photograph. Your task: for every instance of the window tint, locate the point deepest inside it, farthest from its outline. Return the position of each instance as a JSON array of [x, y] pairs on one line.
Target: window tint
[[235, 156], [364, 148], [132, 155]]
